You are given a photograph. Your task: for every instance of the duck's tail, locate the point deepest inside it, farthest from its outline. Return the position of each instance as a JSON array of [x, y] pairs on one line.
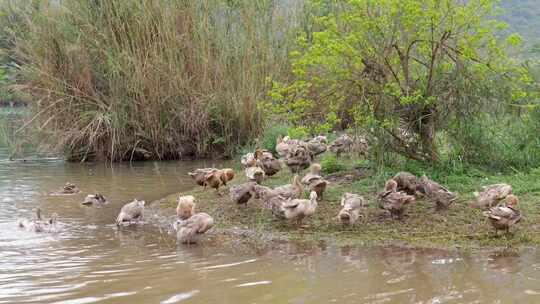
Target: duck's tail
[[120, 219]]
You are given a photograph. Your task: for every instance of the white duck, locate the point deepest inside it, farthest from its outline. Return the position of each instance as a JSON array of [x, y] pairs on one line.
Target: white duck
[[351, 204], [298, 209]]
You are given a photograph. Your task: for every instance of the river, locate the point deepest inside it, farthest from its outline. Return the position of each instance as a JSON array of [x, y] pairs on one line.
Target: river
[[91, 261]]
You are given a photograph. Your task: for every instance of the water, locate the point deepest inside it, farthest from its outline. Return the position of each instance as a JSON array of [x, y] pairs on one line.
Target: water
[[92, 262]]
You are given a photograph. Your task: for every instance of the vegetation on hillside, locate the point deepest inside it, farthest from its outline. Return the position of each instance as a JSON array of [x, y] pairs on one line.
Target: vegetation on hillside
[[523, 17]]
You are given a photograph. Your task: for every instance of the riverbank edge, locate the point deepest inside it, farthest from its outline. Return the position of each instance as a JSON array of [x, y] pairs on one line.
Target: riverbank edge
[[459, 228]]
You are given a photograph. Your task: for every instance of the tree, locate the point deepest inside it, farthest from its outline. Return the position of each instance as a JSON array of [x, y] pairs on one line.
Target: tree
[[407, 67]]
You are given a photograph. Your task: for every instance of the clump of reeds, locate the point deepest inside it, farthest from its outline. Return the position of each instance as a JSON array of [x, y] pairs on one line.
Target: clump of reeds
[[121, 80]]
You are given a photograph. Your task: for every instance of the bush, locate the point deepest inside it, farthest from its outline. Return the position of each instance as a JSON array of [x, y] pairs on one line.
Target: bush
[[271, 134]]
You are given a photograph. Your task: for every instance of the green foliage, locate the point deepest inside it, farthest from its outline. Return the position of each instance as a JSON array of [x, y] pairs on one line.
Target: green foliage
[[408, 67], [331, 164], [271, 134], [299, 132]]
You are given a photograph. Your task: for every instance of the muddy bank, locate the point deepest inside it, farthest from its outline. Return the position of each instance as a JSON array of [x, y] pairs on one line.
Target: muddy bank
[[460, 227]]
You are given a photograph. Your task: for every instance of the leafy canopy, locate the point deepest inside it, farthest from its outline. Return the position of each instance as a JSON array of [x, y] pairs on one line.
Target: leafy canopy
[[402, 67]]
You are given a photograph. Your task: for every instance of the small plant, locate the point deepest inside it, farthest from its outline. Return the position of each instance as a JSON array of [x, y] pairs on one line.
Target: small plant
[[331, 164], [299, 132], [270, 135]]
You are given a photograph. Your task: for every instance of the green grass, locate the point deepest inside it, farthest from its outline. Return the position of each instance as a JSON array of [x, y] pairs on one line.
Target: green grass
[[459, 227]]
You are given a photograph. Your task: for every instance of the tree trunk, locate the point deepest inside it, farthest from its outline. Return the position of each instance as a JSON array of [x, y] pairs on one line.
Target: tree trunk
[[428, 134]]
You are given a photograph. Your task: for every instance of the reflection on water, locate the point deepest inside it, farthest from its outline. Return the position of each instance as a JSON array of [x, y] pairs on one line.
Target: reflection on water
[[90, 261]]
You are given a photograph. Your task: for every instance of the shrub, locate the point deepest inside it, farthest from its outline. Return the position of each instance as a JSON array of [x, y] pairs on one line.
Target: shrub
[[271, 134], [331, 164]]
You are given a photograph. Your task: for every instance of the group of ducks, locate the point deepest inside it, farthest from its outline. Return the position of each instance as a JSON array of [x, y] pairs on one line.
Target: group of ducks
[[497, 201], [286, 202], [189, 224]]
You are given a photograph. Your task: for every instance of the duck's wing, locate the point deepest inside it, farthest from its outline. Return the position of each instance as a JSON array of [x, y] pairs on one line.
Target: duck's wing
[[291, 204]]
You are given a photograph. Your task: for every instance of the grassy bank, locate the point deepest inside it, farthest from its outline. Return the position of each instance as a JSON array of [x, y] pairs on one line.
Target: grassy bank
[[459, 227]]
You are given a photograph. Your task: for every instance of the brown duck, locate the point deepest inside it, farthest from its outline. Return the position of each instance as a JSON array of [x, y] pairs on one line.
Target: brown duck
[[506, 215], [491, 196], [407, 182], [190, 230], [392, 201], [241, 194], [438, 194], [315, 181]]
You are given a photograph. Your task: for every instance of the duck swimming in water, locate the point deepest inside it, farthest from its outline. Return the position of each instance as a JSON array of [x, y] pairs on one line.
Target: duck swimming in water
[[190, 230], [67, 189], [94, 199], [131, 213], [38, 224]]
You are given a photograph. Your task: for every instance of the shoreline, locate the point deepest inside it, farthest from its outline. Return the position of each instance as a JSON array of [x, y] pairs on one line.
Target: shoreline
[[458, 228]]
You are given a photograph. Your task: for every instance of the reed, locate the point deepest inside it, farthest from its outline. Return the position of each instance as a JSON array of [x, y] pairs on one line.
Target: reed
[[126, 80]]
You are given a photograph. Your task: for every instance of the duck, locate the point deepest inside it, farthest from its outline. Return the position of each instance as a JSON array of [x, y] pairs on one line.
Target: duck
[[442, 197], [290, 191], [351, 204], [242, 193], [360, 145], [255, 174], [199, 175], [317, 145], [227, 175], [131, 213], [248, 160], [266, 161], [505, 215], [67, 189], [407, 182], [341, 145], [298, 158], [392, 201], [214, 179], [186, 207], [190, 230], [284, 192], [284, 145], [298, 209], [491, 196], [38, 224], [315, 181], [94, 199]]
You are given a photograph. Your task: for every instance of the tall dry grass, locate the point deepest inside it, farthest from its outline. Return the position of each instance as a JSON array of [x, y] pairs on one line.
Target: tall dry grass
[[158, 79]]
